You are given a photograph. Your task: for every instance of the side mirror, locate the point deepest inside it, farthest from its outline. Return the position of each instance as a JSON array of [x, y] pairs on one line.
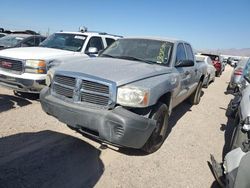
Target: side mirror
[[185, 63], [92, 50]]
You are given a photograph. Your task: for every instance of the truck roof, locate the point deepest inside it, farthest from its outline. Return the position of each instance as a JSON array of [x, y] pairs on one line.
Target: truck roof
[[173, 40], [91, 33]]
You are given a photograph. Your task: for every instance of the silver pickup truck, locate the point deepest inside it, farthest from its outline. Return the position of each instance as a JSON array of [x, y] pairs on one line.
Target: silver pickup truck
[[126, 95]]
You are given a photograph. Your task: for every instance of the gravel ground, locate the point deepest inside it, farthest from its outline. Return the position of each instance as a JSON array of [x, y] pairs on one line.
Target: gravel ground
[[36, 150]]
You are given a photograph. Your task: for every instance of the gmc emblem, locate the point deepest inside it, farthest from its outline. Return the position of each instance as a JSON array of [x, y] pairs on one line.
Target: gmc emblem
[[6, 64]]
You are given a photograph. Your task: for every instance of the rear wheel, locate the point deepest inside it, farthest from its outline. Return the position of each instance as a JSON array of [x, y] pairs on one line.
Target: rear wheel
[[217, 74], [160, 115], [196, 96]]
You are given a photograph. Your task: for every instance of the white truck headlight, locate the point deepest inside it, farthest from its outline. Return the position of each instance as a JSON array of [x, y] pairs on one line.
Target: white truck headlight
[[49, 77], [246, 126], [132, 96], [35, 66]]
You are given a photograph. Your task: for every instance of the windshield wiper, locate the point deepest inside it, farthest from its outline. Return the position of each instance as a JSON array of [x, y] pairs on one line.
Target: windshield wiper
[[107, 55], [136, 59]]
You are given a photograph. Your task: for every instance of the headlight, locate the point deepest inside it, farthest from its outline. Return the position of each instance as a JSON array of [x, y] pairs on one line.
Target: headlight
[[49, 77], [246, 125], [35, 66], [132, 96]]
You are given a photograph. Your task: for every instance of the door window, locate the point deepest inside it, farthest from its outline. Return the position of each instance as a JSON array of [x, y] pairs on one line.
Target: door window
[[30, 42], [190, 54], [109, 41], [180, 54]]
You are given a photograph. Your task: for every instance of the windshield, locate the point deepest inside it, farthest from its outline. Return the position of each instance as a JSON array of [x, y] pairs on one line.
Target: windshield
[[65, 41], [10, 41], [145, 50]]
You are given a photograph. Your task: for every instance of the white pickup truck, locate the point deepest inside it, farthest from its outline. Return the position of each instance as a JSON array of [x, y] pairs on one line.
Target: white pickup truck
[[25, 69]]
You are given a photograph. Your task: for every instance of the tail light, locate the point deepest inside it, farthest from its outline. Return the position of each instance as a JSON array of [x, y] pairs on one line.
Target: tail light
[[238, 71]]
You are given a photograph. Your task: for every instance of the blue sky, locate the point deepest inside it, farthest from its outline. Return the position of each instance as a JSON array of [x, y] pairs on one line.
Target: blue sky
[[206, 24]]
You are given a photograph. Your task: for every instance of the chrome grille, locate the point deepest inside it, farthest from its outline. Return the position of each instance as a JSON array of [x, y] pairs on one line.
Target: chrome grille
[[11, 65], [94, 99], [64, 85], [68, 81], [82, 90], [67, 92], [96, 87]]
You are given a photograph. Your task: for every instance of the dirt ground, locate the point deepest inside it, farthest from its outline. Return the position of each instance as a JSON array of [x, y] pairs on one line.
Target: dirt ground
[[36, 150]]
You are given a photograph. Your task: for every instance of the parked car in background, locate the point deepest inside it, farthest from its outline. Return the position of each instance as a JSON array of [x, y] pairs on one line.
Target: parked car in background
[[30, 32], [20, 40], [237, 74], [25, 69], [216, 62], [234, 171], [210, 70], [223, 64], [239, 108], [233, 61], [125, 96]]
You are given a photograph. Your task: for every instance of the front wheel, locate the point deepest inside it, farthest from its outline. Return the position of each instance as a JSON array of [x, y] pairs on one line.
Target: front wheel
[[196, 96], [160, 115]]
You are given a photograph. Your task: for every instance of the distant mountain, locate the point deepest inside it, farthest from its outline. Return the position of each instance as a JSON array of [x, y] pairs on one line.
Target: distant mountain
[[233, 52]]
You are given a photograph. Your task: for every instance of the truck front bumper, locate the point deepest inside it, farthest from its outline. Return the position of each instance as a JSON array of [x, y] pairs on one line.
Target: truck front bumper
[[22, 84], [118, 126]]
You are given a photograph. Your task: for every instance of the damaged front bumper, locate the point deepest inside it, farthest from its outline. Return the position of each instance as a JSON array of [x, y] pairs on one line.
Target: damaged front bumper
[[118, 126]]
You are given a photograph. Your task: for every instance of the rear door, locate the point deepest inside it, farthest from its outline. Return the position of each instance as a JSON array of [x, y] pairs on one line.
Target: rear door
[[193, 71]]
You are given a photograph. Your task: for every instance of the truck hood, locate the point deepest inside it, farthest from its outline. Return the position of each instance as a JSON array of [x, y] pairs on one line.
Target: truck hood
[[34, 53], [116, 70]]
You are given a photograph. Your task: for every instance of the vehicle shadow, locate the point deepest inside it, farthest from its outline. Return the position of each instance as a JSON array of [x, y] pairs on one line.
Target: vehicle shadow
[[48, 159], [178, 112], [228, 129], [8, 102]]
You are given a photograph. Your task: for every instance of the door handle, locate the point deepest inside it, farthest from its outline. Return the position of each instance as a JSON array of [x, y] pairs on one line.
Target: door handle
[[187, 73]]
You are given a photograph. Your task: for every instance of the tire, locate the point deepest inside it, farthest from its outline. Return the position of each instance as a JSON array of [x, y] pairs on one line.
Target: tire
[[217, 74], [230, 112], [208, 81], [195, 98], [160, 115]]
